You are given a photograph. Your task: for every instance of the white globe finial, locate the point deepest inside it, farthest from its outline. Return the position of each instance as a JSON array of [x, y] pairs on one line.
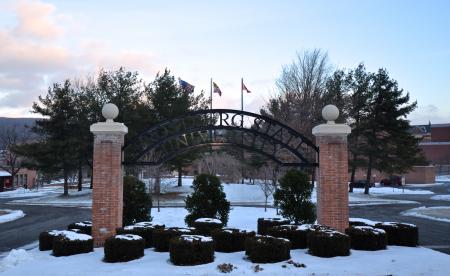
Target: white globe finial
[[110, 112], [330, 113]]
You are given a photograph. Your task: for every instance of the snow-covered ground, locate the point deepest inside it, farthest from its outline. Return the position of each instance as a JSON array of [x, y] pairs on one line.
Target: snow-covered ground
[[393, 261], [441, 197], [10, 215], [21, 192], [439, 213], [394, 191], [443, 178]]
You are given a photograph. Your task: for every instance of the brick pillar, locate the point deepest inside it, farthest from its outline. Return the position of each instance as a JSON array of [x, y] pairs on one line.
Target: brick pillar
[[332, 187], [107, 195]]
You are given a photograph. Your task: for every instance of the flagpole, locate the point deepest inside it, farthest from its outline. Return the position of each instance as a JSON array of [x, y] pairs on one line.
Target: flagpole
[[242, 94], [210, 131], [210, 90], [242, 126]]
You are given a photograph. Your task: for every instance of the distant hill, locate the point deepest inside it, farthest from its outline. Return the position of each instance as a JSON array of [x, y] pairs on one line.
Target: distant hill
[[22, 125]]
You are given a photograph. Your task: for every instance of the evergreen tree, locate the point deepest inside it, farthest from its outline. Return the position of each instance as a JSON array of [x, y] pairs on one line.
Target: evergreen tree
[[168, 100], [208, 200], [389, 146], [294, 197], [337, 93], [137, 203]]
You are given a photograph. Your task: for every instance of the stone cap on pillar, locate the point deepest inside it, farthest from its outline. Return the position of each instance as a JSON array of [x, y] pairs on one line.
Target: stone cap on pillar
[[330, 113], [110, 112]]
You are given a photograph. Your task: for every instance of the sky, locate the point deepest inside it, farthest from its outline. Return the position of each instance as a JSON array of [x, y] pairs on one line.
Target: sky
[[42, 42]]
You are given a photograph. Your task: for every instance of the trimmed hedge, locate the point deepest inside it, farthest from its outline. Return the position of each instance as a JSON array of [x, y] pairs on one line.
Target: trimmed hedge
[[265, 223], [361, 222], [70, 243], [204, 226], [124, 248], [162, 236], [230, 239], [297, 234], [267, 249], [46, 238], [403, 234], [84, 226], [326, 242], [367, 238], [145, 230], [191, 250]]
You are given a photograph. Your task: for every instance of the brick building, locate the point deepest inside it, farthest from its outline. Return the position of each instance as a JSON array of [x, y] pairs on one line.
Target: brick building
[[437, 147]]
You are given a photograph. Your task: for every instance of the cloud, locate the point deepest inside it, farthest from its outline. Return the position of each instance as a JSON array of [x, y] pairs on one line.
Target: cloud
[[429, 113]]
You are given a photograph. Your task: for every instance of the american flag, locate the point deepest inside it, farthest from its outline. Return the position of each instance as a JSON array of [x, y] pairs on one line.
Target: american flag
[[216, 89]]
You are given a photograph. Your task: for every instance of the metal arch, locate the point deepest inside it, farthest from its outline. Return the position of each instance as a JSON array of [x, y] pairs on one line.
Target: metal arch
[[204, 128], [187, 149], [214, 111]]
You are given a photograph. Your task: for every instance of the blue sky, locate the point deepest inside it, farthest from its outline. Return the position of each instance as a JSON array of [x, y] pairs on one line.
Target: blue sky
[[49, 41]]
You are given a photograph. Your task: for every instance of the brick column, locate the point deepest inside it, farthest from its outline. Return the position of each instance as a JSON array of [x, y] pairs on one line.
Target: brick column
[[107, 195], [332, 187]]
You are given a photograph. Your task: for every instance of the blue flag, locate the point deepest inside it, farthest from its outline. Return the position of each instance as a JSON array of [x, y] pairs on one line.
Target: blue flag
[[186, 86]]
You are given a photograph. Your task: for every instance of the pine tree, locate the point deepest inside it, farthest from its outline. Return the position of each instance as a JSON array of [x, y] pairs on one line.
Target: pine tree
[[137, 203], [389, 145]]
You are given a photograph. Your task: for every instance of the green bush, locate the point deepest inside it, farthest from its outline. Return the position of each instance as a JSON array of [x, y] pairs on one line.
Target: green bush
[[294, 197], [68, 243], [267, 249], [124, 248], [230, 239], [85, 227], [297, 234], [137, 203], [403, 234], [326, 242], [162, 236], [367, 238], [265, 223], [207, 201], [204, 226], [142, 229], [191, 250]]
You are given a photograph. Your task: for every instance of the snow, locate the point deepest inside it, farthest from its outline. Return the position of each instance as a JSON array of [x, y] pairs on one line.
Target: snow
[[85, 223], [438, 213], [443, 178], [14, 258], [128, 237], [376, 231], [11, 215], [148, 224], [441, 197], [209, 220], [72, 236], [4, 173], [192, 238], [366, 221], [393, 191], [21, 192]]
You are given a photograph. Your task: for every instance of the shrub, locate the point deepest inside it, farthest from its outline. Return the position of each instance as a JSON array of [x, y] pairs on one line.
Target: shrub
[[70, 243], [124, 248], [137, 203], [85, 227], [265, 223], [297, 234], [294, 197], [326, 242], [361, 222], [367, 238], [46, 238], [162, 237], [191, 250], [207, 201], [204, 226], [230, 240], [267, 249], [142, 229], [403, 234]]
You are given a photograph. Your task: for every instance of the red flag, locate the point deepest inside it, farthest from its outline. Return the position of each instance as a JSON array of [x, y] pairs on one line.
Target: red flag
[[245, 88]]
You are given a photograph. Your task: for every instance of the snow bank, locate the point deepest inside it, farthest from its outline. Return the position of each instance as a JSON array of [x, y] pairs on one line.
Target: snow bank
[[21, 192], [439, 213], [14, 258], [11, 215], [393, 191], [441, 197], [443, 178]]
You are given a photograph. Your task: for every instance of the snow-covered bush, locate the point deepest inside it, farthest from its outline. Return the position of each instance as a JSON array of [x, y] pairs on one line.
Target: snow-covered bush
[[267, 249], [230, 239], [367, 238], [403, 234], [326, 242], [142, 229], [124, 248], [265, 223], [294, 197], [46, 238], [207, 201], [68, 243], [137, 203], [85, 227], [297, 234], [191, 250], [162, 236], [204, 226]]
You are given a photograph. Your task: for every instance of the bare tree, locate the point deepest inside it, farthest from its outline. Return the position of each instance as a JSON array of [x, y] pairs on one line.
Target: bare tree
[[219, 163], [10, 161], [267, 181], [301, 90]]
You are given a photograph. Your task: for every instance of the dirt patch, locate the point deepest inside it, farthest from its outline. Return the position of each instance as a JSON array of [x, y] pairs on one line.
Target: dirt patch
[[3, 213]]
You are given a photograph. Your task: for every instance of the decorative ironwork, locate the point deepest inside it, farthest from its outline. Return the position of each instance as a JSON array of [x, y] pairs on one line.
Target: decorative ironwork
[[217, 128]]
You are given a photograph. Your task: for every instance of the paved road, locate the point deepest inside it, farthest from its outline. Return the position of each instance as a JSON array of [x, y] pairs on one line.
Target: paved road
[[433, 234]]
